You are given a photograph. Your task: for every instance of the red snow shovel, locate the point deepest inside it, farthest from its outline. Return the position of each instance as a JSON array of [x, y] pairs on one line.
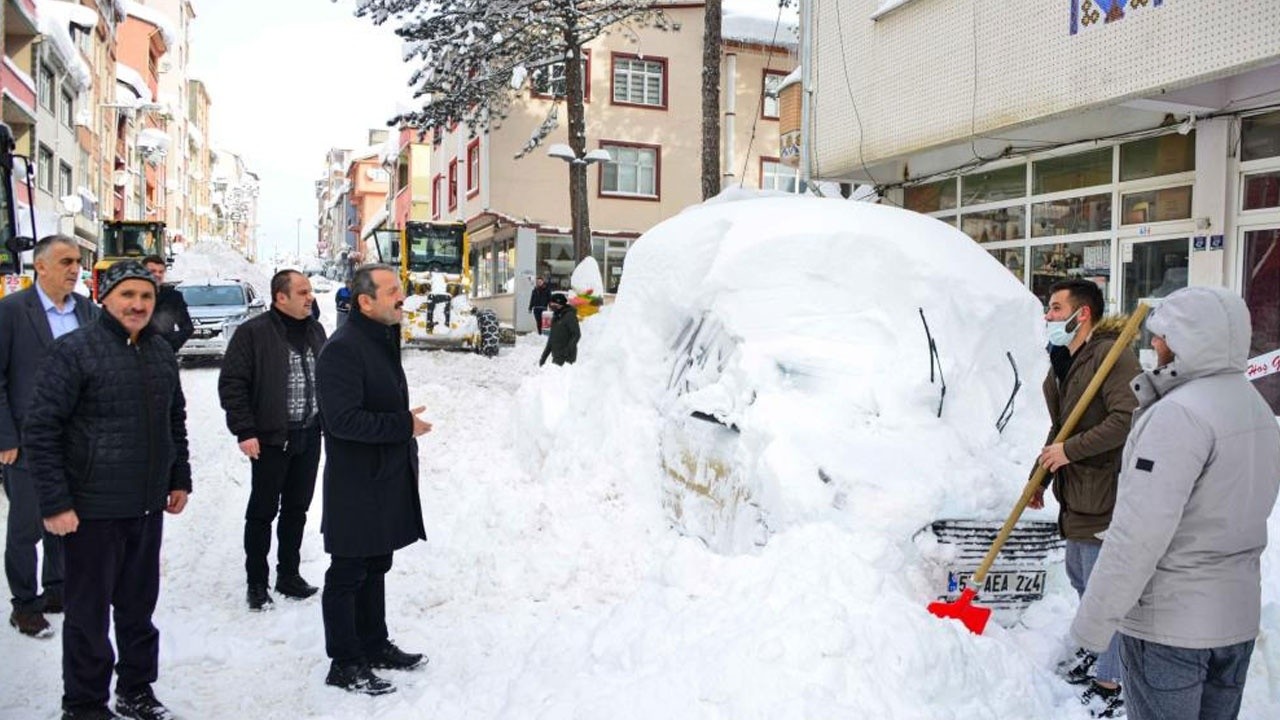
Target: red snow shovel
[[962, 608]]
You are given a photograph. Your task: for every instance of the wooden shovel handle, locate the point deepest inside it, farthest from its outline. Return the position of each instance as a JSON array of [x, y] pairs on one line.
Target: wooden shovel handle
[[1121, 345]]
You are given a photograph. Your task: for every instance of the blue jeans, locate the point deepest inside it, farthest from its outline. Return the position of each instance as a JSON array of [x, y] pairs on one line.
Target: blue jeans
[[1169, 683], [1080, 559]]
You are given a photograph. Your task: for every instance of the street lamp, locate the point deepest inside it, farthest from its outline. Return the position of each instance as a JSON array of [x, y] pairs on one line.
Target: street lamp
[[578, 212]]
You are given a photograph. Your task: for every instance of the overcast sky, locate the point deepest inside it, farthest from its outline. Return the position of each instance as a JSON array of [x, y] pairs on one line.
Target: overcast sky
[[290, 79]]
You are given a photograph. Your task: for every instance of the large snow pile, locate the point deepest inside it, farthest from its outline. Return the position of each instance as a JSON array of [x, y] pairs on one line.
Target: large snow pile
[[818, 358], [211, 260]]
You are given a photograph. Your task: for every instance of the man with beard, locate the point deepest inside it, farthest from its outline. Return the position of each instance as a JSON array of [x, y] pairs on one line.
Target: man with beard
[[267, 387], [107, 441], [371, 503]]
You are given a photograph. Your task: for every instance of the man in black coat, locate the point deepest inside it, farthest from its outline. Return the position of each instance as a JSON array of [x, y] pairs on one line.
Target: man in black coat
[[562, 341], [171, 318], [371, 503], [267, 387], [106, 438], [539, 299], [29, 323]]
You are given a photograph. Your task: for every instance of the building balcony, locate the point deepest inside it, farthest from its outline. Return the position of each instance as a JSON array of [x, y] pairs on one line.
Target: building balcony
[[19, 93]]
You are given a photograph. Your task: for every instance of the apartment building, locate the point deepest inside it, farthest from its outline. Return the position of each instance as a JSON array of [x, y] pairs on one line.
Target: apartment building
[[335, 236], [234, 199], [141, 174], [643, 106], [1119, 142], [174, 19], [196, 193], [17, 81]]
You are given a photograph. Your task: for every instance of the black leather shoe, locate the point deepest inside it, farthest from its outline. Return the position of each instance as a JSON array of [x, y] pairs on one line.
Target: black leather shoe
[[357, 678], [259, 599], [295, 587], [390, 657], [100, 712], [52, 604]]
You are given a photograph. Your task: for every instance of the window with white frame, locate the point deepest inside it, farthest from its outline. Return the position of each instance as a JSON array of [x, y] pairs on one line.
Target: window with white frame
[[65, 186], [66, 109], [44, 169], [638, 81], [770, 108], [776, 176], [473, 167], [46, 87], [549, 81], [634, 171], [437, 195]]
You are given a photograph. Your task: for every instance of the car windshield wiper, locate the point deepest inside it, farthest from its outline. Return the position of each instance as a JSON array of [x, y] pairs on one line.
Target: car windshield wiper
[[934, 360], [1007, 414]]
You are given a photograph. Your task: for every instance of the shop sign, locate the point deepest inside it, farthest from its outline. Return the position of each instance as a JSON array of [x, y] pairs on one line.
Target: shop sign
[[1086, 14], [1263, 365]]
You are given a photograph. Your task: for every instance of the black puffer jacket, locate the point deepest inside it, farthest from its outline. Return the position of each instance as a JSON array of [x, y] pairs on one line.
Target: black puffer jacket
[[254, 383], [171, 318], [562, 344], [106, 434]]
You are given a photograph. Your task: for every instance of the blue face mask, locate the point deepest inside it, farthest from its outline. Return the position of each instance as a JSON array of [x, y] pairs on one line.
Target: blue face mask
[[1062, 332]]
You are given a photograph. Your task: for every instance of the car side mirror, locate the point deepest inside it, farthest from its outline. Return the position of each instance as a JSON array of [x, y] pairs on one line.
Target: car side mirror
[[257, 303], [18, 244]]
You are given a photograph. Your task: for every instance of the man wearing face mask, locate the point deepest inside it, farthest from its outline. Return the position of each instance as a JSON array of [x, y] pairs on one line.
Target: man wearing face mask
[[1083, 470]]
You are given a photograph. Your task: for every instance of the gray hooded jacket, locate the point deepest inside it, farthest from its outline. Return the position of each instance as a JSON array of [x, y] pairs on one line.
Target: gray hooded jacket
[[1201, 469]]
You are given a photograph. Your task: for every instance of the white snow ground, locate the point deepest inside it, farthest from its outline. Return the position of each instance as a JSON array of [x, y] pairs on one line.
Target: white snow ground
[[552, 588]]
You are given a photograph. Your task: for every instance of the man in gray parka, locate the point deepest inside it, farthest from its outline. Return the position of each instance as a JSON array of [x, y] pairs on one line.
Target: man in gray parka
[[1179, 575]]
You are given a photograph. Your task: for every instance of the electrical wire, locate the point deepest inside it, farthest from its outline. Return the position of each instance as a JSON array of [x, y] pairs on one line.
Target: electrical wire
[[768, 65], [848, 86]]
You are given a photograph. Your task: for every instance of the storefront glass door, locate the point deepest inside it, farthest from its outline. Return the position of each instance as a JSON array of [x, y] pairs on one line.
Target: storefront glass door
[[1261, 287], [1151, 270]]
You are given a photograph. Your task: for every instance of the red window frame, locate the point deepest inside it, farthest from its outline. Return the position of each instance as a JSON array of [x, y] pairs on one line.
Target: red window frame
[[437, 184], [473, 168], [764, 79], [778, 161], [586, 81], [657, 172], [666, 80], [453, 184]]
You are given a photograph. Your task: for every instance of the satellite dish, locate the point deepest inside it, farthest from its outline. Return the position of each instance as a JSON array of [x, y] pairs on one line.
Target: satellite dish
[[120, 178], [72, 204]]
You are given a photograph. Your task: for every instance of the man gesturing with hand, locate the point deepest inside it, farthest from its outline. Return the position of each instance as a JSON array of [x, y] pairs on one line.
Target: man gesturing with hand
[[371, 503]]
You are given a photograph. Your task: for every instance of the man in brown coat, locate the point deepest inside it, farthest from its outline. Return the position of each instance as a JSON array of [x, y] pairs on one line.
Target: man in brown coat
[[1085, 468]]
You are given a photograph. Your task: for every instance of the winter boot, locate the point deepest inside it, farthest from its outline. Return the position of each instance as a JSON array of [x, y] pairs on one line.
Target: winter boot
[[142, 705], [52, 603], [357, 678], [259, 599], [31, 624], [1103, 702], [295, 587], [1078, 669], [390, 657]]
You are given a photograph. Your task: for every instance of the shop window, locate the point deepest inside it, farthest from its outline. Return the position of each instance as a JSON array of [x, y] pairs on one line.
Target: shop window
[[930, 197], [1070, 216], [1262, 294], [1071, 172], [1154, 270], [994, 185], [638, 81], [614, 258], [995, 225], [1155, 206], [769, 108], [634, 171], [1090, 260], [1014, 260], [1260, 137], [555, 260], [1262, 191], [1152, 157]]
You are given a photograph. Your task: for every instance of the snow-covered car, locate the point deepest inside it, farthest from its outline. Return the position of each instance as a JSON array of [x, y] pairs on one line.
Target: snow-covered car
[[818, 360], [322, 284], [217, 308]]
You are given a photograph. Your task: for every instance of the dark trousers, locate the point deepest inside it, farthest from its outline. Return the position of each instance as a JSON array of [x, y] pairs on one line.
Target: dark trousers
[[25, 530], [354, 604], [113, 570], [1170, 683], [284, 481], [537, 318]]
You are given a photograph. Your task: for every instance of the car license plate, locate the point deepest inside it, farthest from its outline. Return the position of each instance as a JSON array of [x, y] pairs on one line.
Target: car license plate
[[1011, 582]]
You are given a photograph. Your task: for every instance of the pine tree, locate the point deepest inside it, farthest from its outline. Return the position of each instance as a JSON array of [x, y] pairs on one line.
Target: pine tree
[[473, 55]]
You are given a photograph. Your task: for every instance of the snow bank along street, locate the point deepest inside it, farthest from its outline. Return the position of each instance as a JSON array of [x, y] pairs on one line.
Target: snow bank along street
[[595, 553]]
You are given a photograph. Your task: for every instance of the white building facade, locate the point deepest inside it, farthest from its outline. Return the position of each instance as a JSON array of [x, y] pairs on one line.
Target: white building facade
[[1135, 143]]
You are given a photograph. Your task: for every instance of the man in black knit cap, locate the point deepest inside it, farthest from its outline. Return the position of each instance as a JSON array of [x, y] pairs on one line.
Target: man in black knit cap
[[268, 389]]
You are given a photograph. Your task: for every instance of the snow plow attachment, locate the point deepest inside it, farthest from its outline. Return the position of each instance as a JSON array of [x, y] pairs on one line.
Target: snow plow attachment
[[973, 616]]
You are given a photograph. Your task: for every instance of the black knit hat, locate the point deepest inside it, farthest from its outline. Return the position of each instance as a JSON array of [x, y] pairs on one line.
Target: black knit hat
[[124, 270], [559, 298]]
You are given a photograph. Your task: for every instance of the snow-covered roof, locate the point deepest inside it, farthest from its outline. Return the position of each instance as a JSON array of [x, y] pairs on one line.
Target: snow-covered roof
[[133, 80], [153, 138], [745, 22], [55, 18], [364, 154], [168, 30]]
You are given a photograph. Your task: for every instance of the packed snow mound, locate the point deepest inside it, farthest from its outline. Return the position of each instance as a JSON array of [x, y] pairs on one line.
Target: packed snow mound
[[211, 260]]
